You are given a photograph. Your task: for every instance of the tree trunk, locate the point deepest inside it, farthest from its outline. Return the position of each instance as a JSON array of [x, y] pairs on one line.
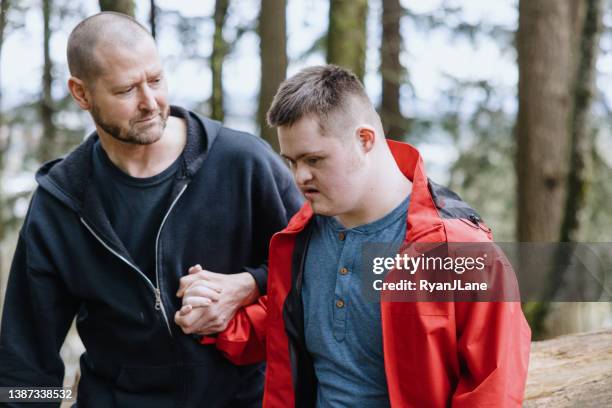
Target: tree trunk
[[273, 48], [580, 171], [119, 6], [579, 177], [346, 37], [49, 132], [391, 70], [544, 44], [216, 61], [153, 19]]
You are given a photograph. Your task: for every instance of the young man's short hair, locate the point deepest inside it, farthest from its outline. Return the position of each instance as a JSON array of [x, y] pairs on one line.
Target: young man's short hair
[[319, 91]]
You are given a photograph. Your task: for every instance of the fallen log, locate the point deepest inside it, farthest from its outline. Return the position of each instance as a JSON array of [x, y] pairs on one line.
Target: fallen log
[[571, 371]]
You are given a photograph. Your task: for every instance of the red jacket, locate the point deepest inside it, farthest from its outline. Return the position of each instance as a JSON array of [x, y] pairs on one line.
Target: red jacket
[[437, 354]]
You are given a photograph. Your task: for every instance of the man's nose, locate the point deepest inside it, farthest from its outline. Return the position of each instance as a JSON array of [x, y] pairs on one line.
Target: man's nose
[[147, 99], [302, 174]]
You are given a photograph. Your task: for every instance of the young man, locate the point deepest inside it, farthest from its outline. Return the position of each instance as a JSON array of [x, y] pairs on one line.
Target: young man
[[114, 225], [326, 344]]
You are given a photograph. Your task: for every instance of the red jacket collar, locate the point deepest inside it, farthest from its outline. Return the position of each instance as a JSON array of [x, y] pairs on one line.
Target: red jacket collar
[[422, 213]]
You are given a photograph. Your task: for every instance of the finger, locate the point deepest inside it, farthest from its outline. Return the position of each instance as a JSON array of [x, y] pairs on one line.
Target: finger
[[180, 321], [203, 291], [185, 310], [187, 280], [194, 302], [195, 269], [184, 283], [190, 322], [210, 285]]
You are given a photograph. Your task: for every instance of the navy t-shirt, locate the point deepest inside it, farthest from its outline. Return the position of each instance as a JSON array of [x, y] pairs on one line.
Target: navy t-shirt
[[134, 206]]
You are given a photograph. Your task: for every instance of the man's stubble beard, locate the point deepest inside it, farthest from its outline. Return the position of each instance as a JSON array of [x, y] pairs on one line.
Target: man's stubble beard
[[132, 136]]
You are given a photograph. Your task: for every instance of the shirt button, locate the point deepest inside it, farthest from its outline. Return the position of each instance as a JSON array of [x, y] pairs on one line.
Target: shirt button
[[342, 236], [343, 271], [339, 303]]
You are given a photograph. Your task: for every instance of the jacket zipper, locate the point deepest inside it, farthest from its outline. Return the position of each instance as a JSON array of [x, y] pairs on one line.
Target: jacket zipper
[[155, 291], [158, 301], [155, 288]]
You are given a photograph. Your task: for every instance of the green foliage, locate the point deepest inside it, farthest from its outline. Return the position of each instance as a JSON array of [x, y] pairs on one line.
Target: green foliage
[[483, 173]]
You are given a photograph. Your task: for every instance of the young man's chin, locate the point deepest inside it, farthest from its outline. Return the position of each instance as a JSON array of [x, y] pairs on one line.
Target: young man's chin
[[321, 209]]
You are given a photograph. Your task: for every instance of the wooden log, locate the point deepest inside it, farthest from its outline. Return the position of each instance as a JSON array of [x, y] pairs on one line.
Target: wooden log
[[571, 371]]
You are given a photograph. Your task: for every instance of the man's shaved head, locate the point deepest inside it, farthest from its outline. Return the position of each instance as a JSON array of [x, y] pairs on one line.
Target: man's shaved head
[[107, 28]]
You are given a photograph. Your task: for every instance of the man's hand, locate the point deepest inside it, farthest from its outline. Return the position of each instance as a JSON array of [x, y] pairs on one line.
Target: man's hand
[[211, 299]]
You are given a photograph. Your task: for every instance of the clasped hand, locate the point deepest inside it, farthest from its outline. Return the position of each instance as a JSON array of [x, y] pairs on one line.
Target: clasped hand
[[211, 299]]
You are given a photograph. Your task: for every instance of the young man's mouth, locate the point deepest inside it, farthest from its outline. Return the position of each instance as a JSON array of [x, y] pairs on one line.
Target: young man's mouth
[[310, 192]]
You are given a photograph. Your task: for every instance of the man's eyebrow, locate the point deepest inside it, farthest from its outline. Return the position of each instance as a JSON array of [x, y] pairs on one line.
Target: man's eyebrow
[[134, 81], [155, 73], [301, 155], [122, 85]]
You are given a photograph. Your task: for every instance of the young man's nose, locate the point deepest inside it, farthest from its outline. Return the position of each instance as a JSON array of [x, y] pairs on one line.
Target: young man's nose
[[302, 174]]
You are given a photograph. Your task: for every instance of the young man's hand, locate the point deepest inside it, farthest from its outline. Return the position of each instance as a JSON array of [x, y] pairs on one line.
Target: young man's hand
[[211, 299]]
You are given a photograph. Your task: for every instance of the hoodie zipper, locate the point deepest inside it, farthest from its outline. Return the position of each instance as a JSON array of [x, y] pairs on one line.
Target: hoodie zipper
[[155, 288], [158, 300]]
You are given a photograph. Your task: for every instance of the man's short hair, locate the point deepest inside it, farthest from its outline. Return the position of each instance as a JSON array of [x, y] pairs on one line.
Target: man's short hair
[[319, 91], [111, 27]]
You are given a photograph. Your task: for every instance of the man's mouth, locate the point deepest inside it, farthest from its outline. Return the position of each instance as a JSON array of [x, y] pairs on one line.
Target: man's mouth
[[148, 118], [309, 191]]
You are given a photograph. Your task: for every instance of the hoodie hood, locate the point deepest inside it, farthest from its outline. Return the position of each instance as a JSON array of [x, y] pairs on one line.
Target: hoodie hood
[[68, 178]]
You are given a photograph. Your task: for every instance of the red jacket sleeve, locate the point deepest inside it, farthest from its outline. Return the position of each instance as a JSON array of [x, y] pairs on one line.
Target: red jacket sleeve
[[493, 343], [244, 339]]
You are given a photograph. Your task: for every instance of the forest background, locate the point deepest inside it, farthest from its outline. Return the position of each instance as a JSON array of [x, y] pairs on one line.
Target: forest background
[[510, 102]]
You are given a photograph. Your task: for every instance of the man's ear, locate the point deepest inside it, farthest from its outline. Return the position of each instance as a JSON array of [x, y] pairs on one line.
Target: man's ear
[[367, 137], [79, 93]]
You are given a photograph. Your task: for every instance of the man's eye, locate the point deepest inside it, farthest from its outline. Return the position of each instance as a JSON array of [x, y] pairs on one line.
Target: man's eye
[[126, 91], [155, 81], [290, 163], [313, 160]]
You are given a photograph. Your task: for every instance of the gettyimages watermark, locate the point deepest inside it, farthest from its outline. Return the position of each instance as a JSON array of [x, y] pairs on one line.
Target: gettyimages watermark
[[487, 272]]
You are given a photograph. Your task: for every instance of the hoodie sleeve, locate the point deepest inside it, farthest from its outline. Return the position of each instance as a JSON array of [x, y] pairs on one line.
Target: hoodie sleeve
[[37, 314], [276, 199]]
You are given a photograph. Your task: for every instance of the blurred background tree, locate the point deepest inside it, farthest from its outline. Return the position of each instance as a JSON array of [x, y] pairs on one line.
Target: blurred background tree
[[508, 101], [118, 6], [392, 73], [346, 36], [273, 50]]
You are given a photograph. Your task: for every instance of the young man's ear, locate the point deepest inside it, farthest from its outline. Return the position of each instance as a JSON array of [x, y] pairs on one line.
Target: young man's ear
[[367, 137], [79, 93]]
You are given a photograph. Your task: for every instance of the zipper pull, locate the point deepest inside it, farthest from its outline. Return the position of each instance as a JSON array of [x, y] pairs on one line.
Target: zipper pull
[[158, 302]]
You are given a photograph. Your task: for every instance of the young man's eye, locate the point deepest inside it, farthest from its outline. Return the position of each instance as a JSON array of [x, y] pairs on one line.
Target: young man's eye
[[290, 163], [313, 160]]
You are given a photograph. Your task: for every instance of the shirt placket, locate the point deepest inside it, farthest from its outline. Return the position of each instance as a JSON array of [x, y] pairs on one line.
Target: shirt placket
[[341, 290]]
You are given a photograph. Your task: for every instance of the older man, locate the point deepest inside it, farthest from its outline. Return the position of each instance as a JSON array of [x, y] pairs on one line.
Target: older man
[[113, 226]]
